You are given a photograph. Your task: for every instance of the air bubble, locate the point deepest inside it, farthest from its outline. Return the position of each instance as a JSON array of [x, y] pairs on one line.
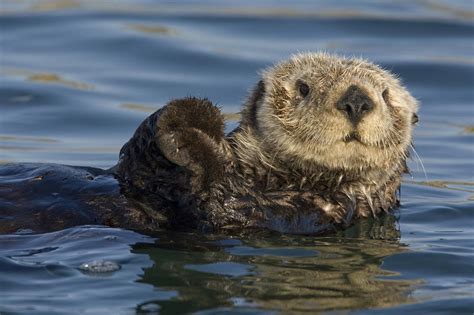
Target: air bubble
[[99, 266]]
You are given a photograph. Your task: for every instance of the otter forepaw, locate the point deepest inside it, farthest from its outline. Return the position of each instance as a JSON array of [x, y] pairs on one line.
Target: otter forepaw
[[189, 134], [196, 151], [194, 113]]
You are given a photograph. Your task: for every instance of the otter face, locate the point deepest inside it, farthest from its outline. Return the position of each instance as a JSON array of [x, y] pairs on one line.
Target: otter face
[[335, 113]]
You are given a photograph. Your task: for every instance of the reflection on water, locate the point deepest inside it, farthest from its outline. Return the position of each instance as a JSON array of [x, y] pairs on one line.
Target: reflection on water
[[247, 8], [55, 5], [33, 139], [469, 129], [154, 29], [51, 78], [56, 79], [138, 107], [461, 186], [284, 273]]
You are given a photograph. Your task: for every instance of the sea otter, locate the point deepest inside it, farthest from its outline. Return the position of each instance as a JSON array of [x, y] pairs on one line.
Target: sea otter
[[323, 140]]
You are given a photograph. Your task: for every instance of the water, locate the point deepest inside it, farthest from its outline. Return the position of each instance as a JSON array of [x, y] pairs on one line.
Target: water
[[77, 77]]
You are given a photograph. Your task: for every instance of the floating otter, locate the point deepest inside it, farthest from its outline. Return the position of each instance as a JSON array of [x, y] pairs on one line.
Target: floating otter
[[323, 140]]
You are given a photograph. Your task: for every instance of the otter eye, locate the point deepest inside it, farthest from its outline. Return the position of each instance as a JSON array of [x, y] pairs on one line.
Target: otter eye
[[303, 88]]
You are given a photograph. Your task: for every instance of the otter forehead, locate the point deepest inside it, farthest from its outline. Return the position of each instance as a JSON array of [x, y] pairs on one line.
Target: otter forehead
[[325, 67]]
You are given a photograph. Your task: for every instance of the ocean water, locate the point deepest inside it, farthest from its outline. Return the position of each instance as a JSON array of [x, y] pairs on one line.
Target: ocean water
[[78, 76]]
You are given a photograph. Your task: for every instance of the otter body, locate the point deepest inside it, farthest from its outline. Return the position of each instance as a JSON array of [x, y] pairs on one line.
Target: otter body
[[322, 141], [48, 197]]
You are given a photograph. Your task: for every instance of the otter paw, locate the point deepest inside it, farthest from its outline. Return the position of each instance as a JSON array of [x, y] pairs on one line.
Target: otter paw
[[193, 113], [196, 151]]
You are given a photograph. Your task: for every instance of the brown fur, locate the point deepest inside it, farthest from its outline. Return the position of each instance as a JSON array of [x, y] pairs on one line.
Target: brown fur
[[295, 164], [289, 165], [298, 143]]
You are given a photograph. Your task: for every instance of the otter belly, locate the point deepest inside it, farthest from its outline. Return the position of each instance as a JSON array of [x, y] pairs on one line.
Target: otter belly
[[48, 197]]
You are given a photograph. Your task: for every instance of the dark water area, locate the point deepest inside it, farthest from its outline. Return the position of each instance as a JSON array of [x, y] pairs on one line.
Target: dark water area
[[77, 77]]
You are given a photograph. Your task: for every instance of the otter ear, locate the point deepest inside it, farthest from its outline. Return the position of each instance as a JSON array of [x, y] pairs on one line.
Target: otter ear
[[385, 96], [257, 93], [249, 113], [414, 119]]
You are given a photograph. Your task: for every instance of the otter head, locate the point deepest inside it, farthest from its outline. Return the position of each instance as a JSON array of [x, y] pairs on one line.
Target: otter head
[[333, 113]]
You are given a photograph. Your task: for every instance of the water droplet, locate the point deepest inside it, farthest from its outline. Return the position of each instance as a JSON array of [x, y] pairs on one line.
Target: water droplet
[[99, 266]]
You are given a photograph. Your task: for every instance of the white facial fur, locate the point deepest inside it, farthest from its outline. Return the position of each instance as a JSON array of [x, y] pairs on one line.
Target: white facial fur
[[312, 131]]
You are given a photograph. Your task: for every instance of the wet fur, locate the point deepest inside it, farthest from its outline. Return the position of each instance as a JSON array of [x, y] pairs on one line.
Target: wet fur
[[289, 166]]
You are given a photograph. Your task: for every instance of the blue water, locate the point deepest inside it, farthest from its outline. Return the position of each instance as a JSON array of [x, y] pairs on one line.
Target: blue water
[[77, 77]]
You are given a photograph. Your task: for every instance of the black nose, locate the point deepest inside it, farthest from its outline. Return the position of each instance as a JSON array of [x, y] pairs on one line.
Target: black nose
[[355, 104]]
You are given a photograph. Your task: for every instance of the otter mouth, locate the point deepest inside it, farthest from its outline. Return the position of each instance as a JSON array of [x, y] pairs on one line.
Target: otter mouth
[[352, 137]]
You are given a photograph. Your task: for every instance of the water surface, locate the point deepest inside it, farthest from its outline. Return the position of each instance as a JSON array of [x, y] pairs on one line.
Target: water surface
[[77, 77]]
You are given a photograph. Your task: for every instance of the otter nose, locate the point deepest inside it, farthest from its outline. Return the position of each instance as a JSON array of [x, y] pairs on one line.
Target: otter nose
[[355, 104]]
